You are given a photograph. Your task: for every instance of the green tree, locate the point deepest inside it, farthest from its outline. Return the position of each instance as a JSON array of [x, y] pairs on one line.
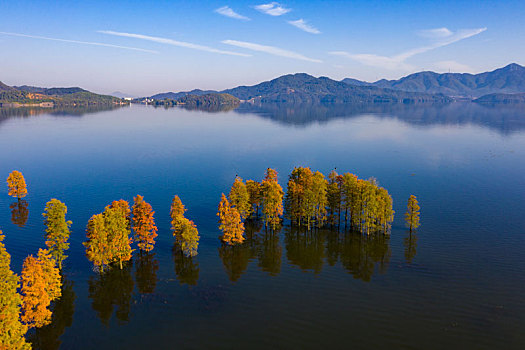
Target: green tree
[[254, 192], [12, 330], [57, 231], [240, 198], [184, 230], [272, 199], [97, 245], [118, 230], [412, 214]]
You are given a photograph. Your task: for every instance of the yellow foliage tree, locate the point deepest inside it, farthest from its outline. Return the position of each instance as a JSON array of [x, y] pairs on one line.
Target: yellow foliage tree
[[240, 198], [17, 184], [97, 245], [272, 199], [12, 330], [184, 230], [412, 214], [177, 215], [230, 223]]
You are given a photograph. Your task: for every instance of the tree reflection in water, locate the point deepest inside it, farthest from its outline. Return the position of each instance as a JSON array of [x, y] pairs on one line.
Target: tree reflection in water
[[410, 243], [114, 287], [146, 267], [19, 212], [186, 266], [235, 259], [48, 337]]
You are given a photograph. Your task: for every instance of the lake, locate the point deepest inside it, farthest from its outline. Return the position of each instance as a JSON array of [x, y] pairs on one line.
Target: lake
[[458, 282]]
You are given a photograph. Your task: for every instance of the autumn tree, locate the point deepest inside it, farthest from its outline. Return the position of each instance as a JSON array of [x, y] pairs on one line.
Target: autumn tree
[[348, 184], [319, 200], [13, 331], [17, 184], [41, 284], [189, 238], [97, 245], [272, 199], [240, 198], [144, 224], [333, 193], [412, 214], [184, 230], [254, 193], [230, 223], [117, 227], [177, 215], [108, 236], [57, 231]]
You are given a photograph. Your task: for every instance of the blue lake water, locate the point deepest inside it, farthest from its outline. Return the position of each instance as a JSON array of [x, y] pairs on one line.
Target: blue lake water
[[458, 282]]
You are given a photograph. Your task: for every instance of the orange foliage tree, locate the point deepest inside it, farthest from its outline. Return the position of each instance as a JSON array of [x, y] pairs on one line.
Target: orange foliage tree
[[41, 284], [230, 223], [12, 330], [17, 184], [144, 224]]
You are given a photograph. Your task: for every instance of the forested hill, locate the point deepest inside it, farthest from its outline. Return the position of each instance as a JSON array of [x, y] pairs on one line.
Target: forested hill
[[34, 96], [508, 80], [301, 88], [501, 99], [178, 95]]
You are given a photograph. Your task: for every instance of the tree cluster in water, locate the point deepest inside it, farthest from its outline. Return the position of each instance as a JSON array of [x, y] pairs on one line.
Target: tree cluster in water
[[312, 204]]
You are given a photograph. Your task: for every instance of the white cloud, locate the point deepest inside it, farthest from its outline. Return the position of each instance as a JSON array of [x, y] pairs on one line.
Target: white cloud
[[452, 66], [398, 61], [272, 9], [79, 42], [173, 42], [228, 12], [272, 50], [303, 25], [436, 33]]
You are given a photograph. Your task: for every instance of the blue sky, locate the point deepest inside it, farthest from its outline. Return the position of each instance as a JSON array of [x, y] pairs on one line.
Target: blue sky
[[141, 47]]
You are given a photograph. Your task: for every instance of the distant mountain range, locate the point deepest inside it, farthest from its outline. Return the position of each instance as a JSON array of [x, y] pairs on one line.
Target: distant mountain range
[[304, 88], [507, 80], [423, 87], [15, 96]]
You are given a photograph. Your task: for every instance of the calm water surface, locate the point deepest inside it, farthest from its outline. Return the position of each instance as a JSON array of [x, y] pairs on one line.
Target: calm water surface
[[458, 283]]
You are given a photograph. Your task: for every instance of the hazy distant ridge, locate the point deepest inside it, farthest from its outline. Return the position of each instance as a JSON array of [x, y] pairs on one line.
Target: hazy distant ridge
[[508, 80]]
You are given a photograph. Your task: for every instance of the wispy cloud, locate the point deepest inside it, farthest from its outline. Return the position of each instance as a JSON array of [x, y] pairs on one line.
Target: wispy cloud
[[173, 42], [78, 42], [399, 61], [436, 33], [303, 25], [228, 12], [272, 50], [273, 9]]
